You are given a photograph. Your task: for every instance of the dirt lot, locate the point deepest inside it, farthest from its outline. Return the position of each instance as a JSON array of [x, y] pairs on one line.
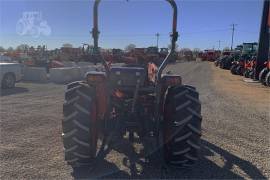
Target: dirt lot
[[235, 132]]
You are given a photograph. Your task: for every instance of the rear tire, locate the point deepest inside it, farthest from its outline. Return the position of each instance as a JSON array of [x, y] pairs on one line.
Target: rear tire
[[239, 70], [246, 73], [78, 123], [8, 81], [267, 79], [233, 69], [222, 66], [216, 63], [262, 76], [182, 126]]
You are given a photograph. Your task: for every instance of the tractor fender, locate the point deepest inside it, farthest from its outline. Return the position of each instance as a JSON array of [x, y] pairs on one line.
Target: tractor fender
[[98, 80], [171, 80], [168, 80]]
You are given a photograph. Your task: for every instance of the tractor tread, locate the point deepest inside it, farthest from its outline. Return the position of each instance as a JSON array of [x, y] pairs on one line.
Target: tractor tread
[[81, 155], [194, 113], [182, 152], [76, 124], [193, 144], [84, 95], [194, 129], [191, 157], [70, 133], [267, 79], [72, 115], [71, 101], [82, 109], [192, 98], [71, 149], [179, 162], [178, 139], [184, 121], [178, 108], [81, 126], [72, 160], [83, 143]]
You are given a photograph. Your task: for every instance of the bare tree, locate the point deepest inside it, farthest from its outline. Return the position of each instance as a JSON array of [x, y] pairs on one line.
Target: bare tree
[[2, 49], [10, 49], [67, 45], [226, 49], [130, 47], [22, 47], [196, 51]]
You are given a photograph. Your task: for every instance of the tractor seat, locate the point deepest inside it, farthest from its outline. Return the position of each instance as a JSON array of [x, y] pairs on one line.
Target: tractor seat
[[127, 76]]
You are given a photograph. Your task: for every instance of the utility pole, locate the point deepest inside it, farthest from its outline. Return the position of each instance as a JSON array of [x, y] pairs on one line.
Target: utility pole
[[233, 29], [219, 44], [157, 38]]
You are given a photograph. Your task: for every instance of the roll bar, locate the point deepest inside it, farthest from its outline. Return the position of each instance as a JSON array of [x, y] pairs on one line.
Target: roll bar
[[174, 36]]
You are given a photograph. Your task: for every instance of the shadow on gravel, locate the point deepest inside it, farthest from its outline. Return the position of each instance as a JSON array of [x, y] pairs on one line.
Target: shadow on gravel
[[15, 90], [137, 168]]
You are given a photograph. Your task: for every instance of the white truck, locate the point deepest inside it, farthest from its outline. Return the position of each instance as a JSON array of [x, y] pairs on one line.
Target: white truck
[[10, 73]]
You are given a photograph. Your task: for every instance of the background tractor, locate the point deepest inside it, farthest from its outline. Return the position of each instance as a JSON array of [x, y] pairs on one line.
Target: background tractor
[[245, 64], [134, 102], [226, 61]]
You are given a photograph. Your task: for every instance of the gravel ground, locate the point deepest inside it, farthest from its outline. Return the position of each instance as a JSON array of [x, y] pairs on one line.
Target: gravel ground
[[235, 133]]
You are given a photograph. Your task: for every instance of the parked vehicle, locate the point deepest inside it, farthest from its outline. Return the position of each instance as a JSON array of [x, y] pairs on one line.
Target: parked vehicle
[[227, 61], [224, 55], [210, 55], [10, 73], [246, 62]]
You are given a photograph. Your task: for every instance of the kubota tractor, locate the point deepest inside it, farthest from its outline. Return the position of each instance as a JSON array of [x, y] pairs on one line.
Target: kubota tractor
[[135, 102]]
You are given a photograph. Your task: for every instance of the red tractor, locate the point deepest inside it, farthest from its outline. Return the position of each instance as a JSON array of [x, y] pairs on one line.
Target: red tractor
[[134, 102], [209, 55]]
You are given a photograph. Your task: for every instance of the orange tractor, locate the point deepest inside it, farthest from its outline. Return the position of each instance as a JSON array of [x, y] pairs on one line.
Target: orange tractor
[[134, 102]]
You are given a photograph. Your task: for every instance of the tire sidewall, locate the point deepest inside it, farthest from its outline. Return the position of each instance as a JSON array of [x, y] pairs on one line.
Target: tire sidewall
[[8, 77], [267, 79], [262, 75]]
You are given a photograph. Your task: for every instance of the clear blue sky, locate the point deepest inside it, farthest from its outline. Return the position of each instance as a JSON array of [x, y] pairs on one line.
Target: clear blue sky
[[201, 24]]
